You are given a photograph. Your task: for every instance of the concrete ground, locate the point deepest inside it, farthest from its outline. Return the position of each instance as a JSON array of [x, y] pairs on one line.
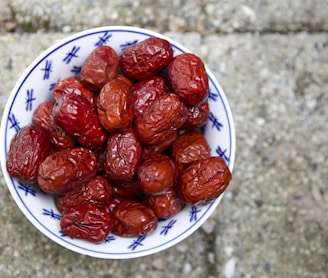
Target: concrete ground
[[271, 58]]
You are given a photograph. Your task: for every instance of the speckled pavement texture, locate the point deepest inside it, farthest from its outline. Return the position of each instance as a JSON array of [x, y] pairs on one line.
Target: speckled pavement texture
[[271, 58]]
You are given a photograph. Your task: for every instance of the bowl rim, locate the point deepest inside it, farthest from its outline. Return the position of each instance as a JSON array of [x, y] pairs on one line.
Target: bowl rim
[[14, 93]]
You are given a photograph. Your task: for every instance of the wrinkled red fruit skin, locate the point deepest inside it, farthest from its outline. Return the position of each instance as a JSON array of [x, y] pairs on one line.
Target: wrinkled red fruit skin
[[165, 205], [97, 191], [197, 115], [100, 67], [78, 117], [161, 120], [114, 106], [156, 175], [67, 169], [86, 221], [132, 218], [72, 85], [188, 78], [59, 138], [151, 150], [189, 147], [145, 92], [123, 155], [146, 58], [29, 147], [203, 181]]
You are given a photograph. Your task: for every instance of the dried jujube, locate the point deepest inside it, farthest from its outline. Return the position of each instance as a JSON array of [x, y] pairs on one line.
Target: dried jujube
[[197, 115], [72, 85], [146, 58], [165, 205], [27, 150], [59, 138], [188, 78], [100, 67], [78, 117], [203, 181], [123, 155], [146, 91], [190, 146], [86, 221], [97, 191], [165, 116], [133, 218], [115, 106], [66, 169], [156, 175]]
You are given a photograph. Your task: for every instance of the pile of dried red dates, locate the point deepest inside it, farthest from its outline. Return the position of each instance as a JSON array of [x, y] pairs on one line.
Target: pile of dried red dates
[[118, 146]]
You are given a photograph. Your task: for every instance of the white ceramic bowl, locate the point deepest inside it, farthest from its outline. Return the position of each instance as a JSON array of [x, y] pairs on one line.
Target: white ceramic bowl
[[64, 59]]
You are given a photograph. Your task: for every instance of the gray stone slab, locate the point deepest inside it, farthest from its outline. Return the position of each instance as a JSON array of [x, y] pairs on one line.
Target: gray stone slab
[[272, 221], [205, 17]]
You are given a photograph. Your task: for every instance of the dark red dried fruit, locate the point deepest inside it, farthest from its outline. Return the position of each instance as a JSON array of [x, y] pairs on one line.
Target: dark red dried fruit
[[189, 147], [203, 181], [111, 205], [133, 218], [67, 169], [115, 106], [160, 120], [87, 222], [78, 117], [100, 67], [123, 155], [59, 138], [197, 115], [165, 205], [146, 58], [97, 191], [149, 151], [188, 78], [145, 92], [156, 175], [29, 147], [72, 85]]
